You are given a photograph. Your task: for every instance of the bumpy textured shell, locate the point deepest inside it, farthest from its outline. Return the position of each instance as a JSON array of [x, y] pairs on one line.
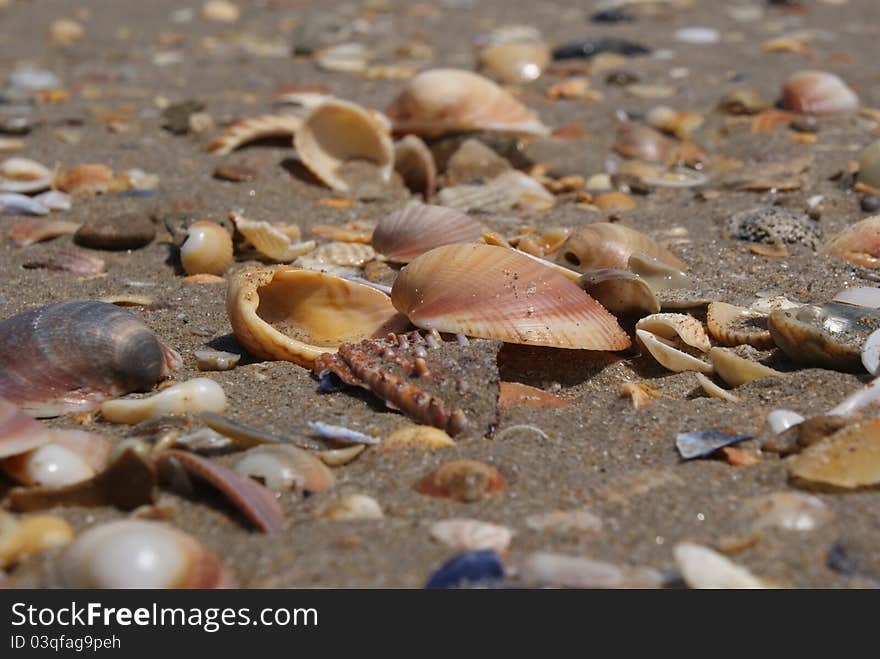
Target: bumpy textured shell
[[606, 245], [70, 356], [419, 228], [818, 92], [295, 315], [497, 293], [448, 100]]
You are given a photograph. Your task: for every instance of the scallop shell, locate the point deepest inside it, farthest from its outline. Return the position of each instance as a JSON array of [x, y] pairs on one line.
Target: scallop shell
[[730, 325], [24, 175], [859, 243], [415, 163], [472, 535], [295, 315], [672, 326], [192, 396], [140, 554], [337, 132], [207, 249], [607, 245], [498, 293], [256, 128], [818, 92], [463, 480], [669, 356], [282, 468], [442, 101], [419, 228], [271, 241], [70, 356], [621, 292], [736, 370], [869, 165]]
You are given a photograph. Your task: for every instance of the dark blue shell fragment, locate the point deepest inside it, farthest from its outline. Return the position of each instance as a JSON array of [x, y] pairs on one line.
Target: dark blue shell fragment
[[586, 48], [471, 566]]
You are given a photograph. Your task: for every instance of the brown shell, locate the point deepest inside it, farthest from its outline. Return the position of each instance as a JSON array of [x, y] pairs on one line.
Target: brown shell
[[607, 245], [818, 92], [643, 143], [463, 480], [419, 228], [497, 293]]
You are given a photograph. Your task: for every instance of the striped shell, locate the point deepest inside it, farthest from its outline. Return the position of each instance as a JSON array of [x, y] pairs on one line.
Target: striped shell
[[497, 293], [292, 314], [606, 245], [256, 128], [442, 101], [419, 228], [732, 326]]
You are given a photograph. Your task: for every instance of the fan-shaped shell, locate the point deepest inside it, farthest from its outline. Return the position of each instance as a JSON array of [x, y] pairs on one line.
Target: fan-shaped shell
[[295, 315], [497, 293], [70, 356], [418, 228], [337, 132], [607, 245], [442, 101]]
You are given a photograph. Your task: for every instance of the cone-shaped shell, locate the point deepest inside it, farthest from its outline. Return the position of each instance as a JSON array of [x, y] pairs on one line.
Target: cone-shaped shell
[[419, 228], [442, 101], [295, 315], [337, 132], [607, 245], [818, 92], [497, 293]]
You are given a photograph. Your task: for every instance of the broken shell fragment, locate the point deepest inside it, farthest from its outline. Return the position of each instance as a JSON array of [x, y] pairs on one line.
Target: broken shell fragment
[[702, 567], [497, 293], [275, 242], [730, 325], [85, 180], [76, 262], [607, 245], [781, 420], [70, 356], [192, 396], [295, 315], [417, 436], [351, 507], [338, 132], [670, 357], [512, 189], [643, 143], [28, 232], [257, 128], [140, 554], [24, 176], [736, 370], [819, 93], [859, 243], [442, 101], [714, 390], [561, 571], [216, 360], [206, 250], [463, 480], [415, 163], [672, 326], [19, 432], [72, 456], [419, 228], [30, 535], [848, 459], [472, 535]]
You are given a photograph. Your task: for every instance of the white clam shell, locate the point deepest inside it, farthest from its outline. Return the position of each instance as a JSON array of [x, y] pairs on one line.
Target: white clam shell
[[714, 390], [867, 395], [560, 571], [736, 370], [862, 296], [673, 326], [702, 567], [24, 175], [871, 353], [192, 396], [670, 357], [472, 535], [351, 507]]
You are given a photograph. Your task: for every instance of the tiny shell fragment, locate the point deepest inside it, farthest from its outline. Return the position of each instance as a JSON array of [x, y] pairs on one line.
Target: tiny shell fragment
[[472, 535], [702, 567], [463, 480], [848, 459]]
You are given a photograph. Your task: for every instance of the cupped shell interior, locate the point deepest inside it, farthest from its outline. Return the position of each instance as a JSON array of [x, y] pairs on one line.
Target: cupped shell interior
[[497, 293]]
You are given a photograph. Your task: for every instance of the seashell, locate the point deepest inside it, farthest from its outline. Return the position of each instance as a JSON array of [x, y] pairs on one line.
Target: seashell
[[620, 291], [68, 260], [818, 92], [273, 242], [247, 436], [871, 353], [30, 535], [578, 520], [128, 300], [614, 201], [509, 190], [514, 63], [70, 356], [463, 480], [680, 123], [869, 165], [607, 245], [542, 244], [472, 535], [29, 232], [419, 228], [19, 204], [221, 11], [341, 433], [283, 467], [337, 254], [513, 395], [296, 315], [351, 506], [24, 176], [859, 243], [216, 360], [254, 501], [256, 128], [781, 420], [192, 396], [861, 296], [344, 57], [206, 250], [640, 395], [474, 162], [774, 225], [714, 390], [140, 554], [473, 567], [560, 571], [702, 443], [848, 459], [771, 303], [789, 511], [676, 326], [85, 180], [702, 567], [440, 101], [337, 132], [70, 457], [10, 144], [415, 163], [730, 325], [126, 232], [20, 433], [492, 292], [64, 32], [743, 101], [660, 276], [669, 356], [736, 370], [356, 231], [829, 335], [642, 142], [419, 436], [340, 456]]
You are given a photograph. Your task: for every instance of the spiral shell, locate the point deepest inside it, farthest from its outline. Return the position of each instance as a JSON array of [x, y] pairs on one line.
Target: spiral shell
[[207, 249], [295, 315], [70, 356], [419, 228]]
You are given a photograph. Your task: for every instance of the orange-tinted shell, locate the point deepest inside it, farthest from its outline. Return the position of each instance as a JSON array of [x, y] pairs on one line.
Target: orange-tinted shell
[[463, 480], [418, 228], [858, 243], [818, 92], [606, 245]]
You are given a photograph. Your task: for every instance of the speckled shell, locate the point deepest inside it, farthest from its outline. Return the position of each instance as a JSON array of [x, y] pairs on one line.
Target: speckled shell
[[337, 132], [497, 293], [606, 245], [818, 92], [319, 312], [442, 101], [70, 356], [419, 228]]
